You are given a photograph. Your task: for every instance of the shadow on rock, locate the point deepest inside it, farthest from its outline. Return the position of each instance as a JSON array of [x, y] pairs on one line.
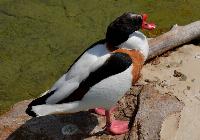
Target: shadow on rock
[[56, 127]]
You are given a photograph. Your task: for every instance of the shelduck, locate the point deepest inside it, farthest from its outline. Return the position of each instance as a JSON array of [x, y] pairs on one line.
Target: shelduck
[[101, 75]]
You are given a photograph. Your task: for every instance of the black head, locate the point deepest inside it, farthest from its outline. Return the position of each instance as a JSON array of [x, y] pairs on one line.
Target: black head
[[120, 29]]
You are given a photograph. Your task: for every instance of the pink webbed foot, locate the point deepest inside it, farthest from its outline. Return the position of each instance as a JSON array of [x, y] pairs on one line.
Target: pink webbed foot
[[101, 111], [117, 127]]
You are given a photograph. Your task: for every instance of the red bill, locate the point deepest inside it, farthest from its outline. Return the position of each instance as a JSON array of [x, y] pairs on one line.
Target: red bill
[[145, 24]]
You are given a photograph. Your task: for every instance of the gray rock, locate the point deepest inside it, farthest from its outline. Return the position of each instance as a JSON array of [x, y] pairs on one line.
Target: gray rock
[[145, 108]]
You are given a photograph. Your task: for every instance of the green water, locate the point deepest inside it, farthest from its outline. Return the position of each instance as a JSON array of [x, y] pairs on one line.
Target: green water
[[39, 39]]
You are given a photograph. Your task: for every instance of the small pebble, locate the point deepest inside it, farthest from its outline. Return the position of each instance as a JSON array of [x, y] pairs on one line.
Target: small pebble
[[155, 61], [197, 56], [147, 80], [188, 87], [177, 73], [181, 76]]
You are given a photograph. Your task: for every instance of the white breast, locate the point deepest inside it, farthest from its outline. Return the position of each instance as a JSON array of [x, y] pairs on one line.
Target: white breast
[[137, 41]]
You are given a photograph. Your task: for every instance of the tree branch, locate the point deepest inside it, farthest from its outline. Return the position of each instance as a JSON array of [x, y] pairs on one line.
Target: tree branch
[[177, 36]]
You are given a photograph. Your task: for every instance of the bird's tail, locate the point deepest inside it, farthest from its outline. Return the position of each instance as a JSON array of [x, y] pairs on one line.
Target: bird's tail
[[47, 109], [39, 101]]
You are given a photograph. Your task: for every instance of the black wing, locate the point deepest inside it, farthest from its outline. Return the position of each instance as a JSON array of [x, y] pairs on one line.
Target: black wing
[[116, 63]]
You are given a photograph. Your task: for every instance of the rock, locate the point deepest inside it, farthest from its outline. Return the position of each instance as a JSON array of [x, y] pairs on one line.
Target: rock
[[153, 108], [13, 119], [17, 125], [151, 113], [187, 90], [144, 107]]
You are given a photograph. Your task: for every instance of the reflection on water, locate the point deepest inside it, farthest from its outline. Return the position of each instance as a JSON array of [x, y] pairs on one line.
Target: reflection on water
[[39, 39]]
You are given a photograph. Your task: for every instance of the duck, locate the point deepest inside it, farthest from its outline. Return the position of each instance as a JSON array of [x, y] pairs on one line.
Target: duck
[[101, 75]]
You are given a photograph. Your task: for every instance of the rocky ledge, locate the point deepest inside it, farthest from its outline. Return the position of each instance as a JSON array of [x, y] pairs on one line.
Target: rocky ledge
[[165, 107], [144, 107]]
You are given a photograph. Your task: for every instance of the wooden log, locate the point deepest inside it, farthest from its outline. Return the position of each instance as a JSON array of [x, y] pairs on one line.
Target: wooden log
[[177, 36]]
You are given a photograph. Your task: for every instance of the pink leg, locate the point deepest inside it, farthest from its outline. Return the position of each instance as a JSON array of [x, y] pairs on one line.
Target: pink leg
[[101, 111], [116, 127]]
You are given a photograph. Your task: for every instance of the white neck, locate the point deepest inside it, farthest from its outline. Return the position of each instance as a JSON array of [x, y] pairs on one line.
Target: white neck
[[136, 41]]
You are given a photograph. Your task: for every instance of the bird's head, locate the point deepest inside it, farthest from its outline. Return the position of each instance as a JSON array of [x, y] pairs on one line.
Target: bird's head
[[120, 29]]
